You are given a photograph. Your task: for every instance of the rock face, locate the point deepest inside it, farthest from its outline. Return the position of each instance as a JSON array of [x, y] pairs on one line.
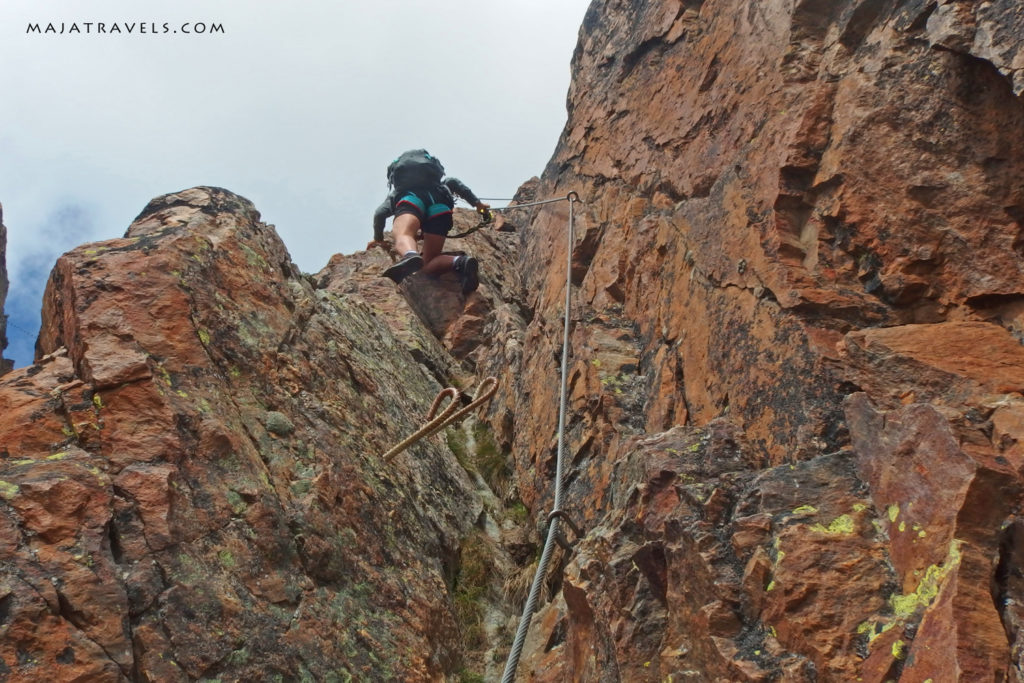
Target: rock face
[[802, 220], [796, 392], [5, 365], [191, 476]]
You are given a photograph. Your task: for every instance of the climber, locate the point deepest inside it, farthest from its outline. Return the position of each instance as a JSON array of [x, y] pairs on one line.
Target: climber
[[421, 198]]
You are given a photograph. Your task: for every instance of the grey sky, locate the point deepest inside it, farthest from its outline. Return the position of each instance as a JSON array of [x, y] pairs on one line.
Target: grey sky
[[297, 106]]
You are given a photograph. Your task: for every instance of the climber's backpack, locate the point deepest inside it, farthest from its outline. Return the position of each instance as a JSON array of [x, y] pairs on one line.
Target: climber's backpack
[[414, 169]]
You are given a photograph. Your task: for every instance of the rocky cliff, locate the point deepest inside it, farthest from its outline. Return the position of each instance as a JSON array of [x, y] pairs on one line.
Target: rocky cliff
[[191, 477], [798, 371], [796, 392], [5, 365]]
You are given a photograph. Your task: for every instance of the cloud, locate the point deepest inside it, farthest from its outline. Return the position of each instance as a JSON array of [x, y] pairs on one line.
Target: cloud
[[63, 228], [296, 106]]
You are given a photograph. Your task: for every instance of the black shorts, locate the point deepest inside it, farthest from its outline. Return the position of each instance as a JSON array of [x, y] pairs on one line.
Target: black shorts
[[433, 208]]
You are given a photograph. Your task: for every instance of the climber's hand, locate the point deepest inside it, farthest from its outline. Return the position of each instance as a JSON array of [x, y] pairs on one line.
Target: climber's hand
[[484, 211]]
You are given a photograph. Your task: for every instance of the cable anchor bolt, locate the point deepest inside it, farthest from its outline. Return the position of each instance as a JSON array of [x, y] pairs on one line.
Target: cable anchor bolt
[[577, 532]]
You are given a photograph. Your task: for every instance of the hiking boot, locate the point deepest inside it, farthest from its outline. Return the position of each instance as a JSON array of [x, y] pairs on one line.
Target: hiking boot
[[404, 268], [469, 274]]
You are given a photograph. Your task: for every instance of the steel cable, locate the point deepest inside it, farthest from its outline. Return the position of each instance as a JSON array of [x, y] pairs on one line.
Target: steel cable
[[538, 579]]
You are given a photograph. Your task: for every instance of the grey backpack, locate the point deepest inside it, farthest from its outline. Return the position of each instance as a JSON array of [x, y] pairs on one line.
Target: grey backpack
[[414, 169]]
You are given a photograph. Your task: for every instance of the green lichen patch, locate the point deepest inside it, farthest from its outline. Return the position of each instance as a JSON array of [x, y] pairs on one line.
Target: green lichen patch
[[928, 587], [893, 511], [278, 423], [8, 490], [227, 559], [841, 525], [237, 503], [873, 629], [254, 259]]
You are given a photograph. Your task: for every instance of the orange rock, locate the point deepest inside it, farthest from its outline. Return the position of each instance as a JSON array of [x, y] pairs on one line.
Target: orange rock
[[794, 387], [161, 527]]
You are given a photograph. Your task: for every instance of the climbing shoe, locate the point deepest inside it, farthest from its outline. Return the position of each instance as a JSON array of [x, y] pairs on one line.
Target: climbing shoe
[[404, 268], [469, 273]]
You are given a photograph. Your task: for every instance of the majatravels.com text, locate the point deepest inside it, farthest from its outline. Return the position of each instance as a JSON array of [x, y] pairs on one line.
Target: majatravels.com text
[[123, 28]]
